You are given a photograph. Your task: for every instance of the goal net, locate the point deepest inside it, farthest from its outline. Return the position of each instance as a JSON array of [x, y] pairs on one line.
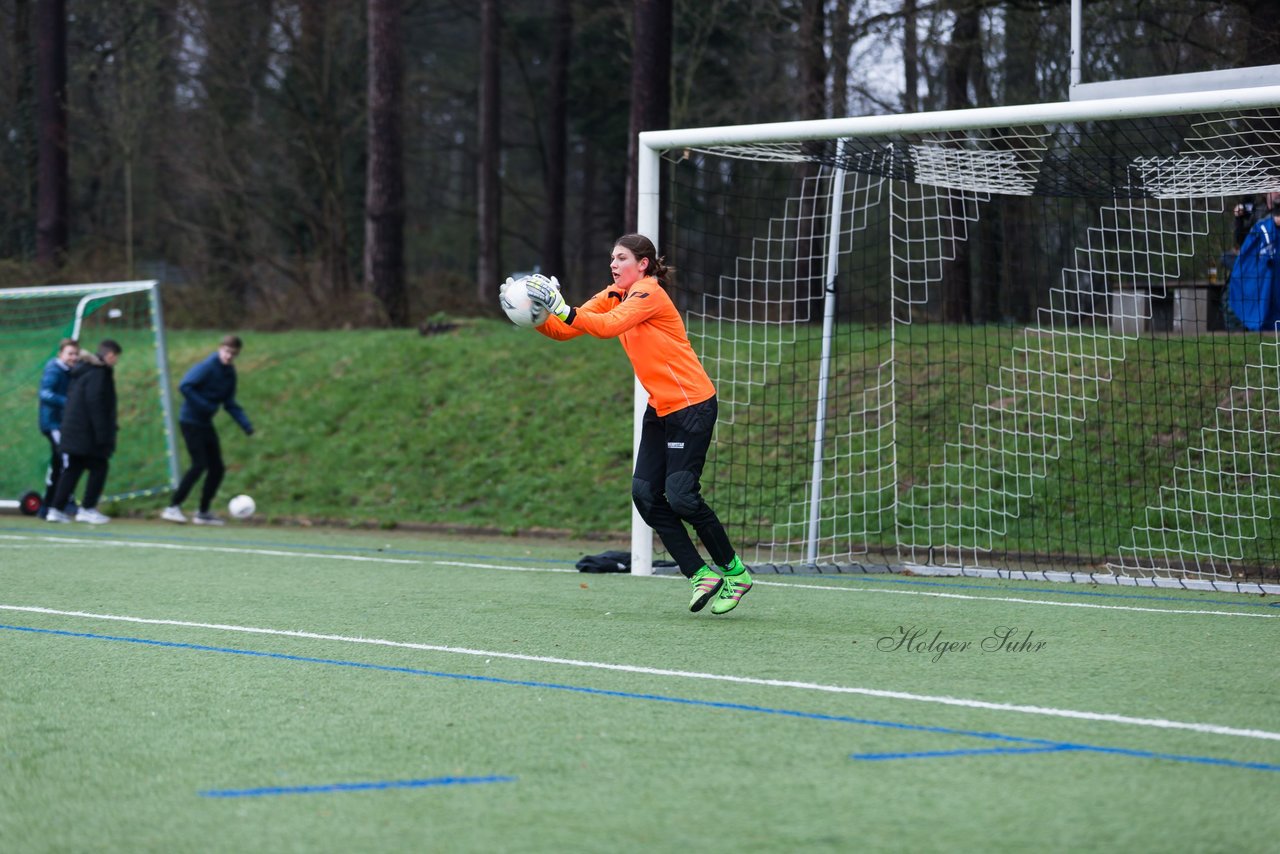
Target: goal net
[[32, 322], [984, 341]]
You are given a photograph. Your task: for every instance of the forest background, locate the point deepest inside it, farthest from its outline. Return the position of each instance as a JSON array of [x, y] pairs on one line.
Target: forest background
[[328, 163]]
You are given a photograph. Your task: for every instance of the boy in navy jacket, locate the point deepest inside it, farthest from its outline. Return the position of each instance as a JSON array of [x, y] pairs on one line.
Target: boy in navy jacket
[[53, 400], [207, 387]]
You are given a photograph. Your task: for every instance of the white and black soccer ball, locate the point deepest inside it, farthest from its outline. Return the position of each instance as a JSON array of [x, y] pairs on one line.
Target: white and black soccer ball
[[241, 507], [514, 299]]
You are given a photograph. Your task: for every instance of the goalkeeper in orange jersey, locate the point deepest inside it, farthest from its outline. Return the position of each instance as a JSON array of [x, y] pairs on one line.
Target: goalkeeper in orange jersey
[[676, 431]]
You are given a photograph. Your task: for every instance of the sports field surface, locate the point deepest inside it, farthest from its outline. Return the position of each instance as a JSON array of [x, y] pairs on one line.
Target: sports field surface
[[251, 688]]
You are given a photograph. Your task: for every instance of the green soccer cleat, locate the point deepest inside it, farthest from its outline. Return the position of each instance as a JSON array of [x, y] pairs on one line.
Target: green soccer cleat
[[736, 585], [706, 584]]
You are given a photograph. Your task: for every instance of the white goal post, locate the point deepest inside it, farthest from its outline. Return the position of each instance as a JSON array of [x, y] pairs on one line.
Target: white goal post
[[1135, 190], [32, 321]]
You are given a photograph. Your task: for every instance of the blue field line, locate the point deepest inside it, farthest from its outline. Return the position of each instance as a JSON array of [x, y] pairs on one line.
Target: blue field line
[[989, 751], [657, 698], [354, 787], [1057, 590], [1068, 746]]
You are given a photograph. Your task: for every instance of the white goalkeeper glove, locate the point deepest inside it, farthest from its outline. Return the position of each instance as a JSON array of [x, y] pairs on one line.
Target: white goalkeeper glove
[[546, 293]]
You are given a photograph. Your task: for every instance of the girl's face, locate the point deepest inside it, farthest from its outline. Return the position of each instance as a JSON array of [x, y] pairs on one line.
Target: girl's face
[[625, 268]]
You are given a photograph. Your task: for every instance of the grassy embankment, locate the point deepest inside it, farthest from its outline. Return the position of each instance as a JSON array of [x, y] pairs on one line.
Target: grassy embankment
[[492, 427], [485, 426]]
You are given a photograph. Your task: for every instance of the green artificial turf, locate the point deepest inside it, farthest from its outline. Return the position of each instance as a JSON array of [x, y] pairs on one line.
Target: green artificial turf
[[499, 666]]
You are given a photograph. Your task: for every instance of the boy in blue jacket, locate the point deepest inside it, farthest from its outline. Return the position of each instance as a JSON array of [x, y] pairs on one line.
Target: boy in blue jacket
[[208, 386], [53, 400]]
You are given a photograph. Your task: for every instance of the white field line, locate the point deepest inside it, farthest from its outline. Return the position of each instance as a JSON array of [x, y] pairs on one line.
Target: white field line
[[219, 549], [1022, 601], [847, 588], [843, 588], [1159, 723], [506, 568]]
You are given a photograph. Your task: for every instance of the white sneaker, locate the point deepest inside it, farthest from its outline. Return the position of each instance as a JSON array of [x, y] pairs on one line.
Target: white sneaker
[[206, 518], [92, 516], [173, 513], [55, 515]]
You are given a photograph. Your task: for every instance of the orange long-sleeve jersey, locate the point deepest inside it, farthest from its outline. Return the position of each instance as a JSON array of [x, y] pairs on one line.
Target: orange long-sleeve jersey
[[646, 321]]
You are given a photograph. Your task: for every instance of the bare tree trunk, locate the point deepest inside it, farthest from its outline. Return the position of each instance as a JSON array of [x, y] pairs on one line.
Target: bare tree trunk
[[813, 59], [1263, 41], [910, 57], [650, 88], [590, 257], [128, 214], [24, 99], [236, 35], [163, 174], [488, 195], [557, 134], [841, 44], [52, 171], [384, 191], [318, 20], [1020, 240], [957, 306], [810, 268]]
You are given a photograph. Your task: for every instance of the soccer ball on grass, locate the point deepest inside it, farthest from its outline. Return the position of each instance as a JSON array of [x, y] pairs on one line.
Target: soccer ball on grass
[[241, 507], [514, 299]]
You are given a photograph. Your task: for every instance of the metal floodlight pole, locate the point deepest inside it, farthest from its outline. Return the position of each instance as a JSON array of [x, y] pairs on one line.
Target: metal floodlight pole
[[1076, 14]]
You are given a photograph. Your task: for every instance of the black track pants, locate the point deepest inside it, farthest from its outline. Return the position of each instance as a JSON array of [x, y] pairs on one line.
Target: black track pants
[[666, 485], [206, 456]]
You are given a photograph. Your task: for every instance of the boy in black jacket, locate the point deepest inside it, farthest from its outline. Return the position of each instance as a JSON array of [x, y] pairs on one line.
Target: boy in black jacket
[[89, 427]]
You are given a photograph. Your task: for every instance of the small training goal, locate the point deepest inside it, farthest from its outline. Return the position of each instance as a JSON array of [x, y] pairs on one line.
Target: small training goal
[[32, 322]]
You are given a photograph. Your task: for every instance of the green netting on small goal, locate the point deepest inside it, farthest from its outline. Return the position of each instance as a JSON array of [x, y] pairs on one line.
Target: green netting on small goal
[[32, 322]]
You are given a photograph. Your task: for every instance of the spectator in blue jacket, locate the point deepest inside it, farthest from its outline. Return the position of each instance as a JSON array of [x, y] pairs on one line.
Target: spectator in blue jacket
[[1253, 291], [53, 400], [208, 386]]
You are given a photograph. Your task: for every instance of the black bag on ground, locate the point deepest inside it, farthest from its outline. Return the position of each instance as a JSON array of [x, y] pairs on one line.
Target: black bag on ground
[[605, 562]]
